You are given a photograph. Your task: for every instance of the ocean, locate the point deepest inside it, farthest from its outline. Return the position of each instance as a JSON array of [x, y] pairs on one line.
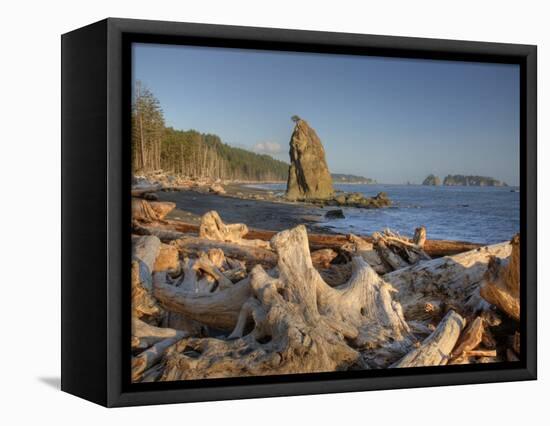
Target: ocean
[[466, 213]]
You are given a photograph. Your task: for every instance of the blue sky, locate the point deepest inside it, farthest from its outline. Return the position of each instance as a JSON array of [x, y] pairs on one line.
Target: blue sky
[[394, 120]]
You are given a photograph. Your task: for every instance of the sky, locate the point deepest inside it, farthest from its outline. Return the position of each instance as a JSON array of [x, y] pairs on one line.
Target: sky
[[395, 120]]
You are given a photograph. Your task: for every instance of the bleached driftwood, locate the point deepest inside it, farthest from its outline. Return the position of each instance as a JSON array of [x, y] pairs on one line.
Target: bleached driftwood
[[189, 246], [399, 252], [323, 258], [219, 309], [150, 211], [434, 248], [205, 265], [336, 274], [141, 190], [426, 289], [167, 259], [165, 234], [469, 340], [357, 246], [143, 304], [145, 335], [152, 355], [310, 312], [213, 228], [501, 282], [142, 211], [393, 260], [216, 188], [481, 353], [437, 347], [236, 274], [300, 324], [419, 239], [218, 259], [146, 249]]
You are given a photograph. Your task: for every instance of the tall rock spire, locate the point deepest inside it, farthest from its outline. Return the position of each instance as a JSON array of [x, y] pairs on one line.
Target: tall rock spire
[[308, 175]]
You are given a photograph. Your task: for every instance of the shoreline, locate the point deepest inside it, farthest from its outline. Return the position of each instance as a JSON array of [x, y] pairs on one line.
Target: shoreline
[[261, 206], [257, 207], [266, 217]]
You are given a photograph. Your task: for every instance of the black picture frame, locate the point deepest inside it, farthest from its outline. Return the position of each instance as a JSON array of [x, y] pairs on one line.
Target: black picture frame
[[96, 67]]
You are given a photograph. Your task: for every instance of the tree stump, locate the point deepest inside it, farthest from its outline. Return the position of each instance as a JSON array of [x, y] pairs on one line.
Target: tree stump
[[296, 323]]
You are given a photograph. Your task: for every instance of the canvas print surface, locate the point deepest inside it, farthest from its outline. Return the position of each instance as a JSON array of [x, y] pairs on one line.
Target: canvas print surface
[[303, 213]]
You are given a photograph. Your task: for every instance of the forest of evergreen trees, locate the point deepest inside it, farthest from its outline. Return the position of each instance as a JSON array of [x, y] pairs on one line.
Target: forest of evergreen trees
[[191, 153]]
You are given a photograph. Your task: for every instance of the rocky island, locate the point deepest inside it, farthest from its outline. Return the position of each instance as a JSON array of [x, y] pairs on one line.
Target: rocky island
[[432, 180], [462, 180], [454, 180]]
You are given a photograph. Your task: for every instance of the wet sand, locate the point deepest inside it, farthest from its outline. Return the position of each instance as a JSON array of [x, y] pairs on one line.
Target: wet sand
[[239, 206]]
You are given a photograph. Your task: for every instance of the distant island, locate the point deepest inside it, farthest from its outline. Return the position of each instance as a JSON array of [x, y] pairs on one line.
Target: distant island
[[463, 180], [454, 180], [344, 178], [432, 180]]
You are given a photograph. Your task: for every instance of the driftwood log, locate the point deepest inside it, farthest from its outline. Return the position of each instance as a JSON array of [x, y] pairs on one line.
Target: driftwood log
[[150, 211], [143, 304], [419, 239], [436, 349], [468, 350], [219, 309], [426, 290], [167, 259], [434, 248], [163, 338], [470, 338], [501, 282], [146, 249], [390, 258], [250, 255], [357, 246], [399, 252], [145, 335], [213, 228], [143, 190], [162, 232]]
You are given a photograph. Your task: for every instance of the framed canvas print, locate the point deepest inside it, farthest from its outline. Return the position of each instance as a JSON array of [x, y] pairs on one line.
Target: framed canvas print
[[253, 212]]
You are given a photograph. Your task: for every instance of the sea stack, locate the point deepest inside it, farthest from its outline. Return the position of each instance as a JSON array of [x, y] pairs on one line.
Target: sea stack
[[308, 175], [432, 180]]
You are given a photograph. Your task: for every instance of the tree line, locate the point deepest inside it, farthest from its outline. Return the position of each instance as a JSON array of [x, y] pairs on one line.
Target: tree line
[[191, 153]]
